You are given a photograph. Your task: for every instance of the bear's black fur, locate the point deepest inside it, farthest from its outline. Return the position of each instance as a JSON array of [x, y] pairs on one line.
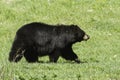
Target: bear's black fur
[[39, 39]]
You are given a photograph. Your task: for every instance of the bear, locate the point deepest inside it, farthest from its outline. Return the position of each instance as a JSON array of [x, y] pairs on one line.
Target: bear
[[39, 39]]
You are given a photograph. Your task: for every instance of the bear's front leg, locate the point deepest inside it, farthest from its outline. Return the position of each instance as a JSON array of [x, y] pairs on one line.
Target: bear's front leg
[[68, 54], [77, 60], [54, 56], [71, 57], [31, 55]]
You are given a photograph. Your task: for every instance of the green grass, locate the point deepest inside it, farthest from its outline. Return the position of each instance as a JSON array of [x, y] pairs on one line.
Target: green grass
[[99, 18]]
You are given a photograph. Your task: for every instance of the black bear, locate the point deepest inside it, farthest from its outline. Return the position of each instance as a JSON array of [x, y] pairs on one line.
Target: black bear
[[39, 39]]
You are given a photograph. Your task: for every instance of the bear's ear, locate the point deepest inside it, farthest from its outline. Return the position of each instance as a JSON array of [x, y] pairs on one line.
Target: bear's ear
[[75, 26], [72, 25]]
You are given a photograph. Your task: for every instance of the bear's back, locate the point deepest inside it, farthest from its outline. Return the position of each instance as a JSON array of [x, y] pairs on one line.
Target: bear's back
[[35, 26]]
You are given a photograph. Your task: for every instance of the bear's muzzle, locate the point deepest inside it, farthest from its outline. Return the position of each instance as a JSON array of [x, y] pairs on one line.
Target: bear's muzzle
[[86, 37]]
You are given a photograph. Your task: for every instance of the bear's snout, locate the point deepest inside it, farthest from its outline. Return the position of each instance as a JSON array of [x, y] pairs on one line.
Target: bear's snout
[[86, 37]]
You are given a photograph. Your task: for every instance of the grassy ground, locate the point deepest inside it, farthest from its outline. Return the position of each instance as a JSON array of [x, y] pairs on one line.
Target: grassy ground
[[99, 18]]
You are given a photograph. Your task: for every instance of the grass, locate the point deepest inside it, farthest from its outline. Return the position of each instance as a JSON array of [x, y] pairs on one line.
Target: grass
[[99, 18]]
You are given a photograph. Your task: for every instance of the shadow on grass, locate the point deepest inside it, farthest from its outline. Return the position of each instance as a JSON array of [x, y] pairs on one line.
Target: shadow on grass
[[70, 62]]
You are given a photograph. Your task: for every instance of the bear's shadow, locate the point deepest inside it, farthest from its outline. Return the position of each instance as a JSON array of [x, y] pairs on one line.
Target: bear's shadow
[[66, 62]]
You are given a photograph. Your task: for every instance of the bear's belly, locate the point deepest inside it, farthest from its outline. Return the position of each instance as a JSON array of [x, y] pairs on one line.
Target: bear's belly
[[43, 51]]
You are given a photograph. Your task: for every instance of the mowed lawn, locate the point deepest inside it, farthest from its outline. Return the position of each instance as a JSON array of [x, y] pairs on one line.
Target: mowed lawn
[[98, 18]]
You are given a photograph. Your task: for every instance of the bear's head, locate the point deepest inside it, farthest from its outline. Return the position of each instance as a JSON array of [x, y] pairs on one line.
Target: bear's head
[[79, 34]]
